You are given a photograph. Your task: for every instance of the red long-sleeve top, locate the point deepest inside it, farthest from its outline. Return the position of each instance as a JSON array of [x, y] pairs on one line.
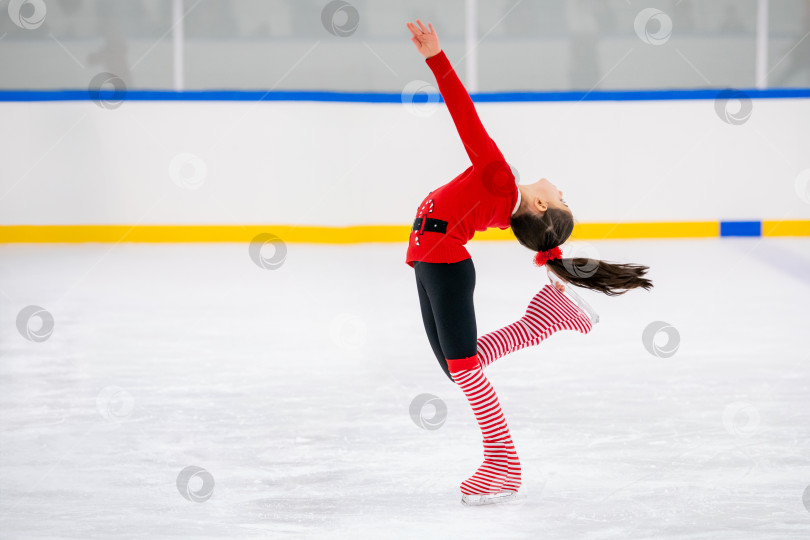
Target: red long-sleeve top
[[483, 196]]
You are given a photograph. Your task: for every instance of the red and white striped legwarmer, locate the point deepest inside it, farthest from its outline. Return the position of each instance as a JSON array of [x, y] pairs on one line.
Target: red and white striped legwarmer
[[548, 312], [501, 468]]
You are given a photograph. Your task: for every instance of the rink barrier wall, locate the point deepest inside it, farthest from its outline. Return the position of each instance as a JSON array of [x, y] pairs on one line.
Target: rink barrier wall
[[377, 233], [680, 164], [392, 97]]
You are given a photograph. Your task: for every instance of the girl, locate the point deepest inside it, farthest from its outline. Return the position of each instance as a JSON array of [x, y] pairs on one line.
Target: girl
[[486, 195]]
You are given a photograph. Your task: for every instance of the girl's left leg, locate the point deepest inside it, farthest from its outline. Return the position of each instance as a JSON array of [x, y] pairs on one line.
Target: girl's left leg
[[548, 312]]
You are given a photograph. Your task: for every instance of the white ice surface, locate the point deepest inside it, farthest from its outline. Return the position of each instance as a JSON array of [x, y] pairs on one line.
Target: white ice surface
[[291, 387]]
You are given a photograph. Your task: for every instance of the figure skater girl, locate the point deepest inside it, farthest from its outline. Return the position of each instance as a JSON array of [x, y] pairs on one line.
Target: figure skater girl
[[486, 195]]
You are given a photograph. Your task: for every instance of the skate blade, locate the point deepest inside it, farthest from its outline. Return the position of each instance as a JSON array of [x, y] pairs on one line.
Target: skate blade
[[491, 498], [583, 306]]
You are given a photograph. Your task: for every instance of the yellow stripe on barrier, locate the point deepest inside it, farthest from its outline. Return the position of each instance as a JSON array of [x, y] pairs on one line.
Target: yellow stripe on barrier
[[786, 228], [685, 229], [603, 231], [355, 234], [201, 233]]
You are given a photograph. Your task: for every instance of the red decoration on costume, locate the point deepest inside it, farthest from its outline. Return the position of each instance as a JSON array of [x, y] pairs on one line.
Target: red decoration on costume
[[543, 257]]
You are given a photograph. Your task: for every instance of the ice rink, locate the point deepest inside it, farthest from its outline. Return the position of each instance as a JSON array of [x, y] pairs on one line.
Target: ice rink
[[289, 390]]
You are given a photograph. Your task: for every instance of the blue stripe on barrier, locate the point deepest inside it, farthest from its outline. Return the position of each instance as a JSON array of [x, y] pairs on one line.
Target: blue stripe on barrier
[[740, 228], [388, 97]]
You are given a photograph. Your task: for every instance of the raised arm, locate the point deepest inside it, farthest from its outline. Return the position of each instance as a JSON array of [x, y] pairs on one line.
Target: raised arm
[[477, 142]]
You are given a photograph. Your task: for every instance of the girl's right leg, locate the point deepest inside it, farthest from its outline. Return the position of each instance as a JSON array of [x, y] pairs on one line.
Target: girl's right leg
[[449, 289], [446, 300], [430, 326]]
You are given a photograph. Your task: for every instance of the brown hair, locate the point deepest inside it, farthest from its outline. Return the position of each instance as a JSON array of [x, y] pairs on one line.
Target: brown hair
[[543, 233]]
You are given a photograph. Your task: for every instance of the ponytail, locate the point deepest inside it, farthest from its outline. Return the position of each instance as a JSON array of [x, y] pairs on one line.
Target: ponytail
[[608, 278], [546, 232]]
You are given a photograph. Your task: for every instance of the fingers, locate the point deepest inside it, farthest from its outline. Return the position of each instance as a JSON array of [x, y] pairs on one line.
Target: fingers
[[415, 30], [422, 29], [417, 33]]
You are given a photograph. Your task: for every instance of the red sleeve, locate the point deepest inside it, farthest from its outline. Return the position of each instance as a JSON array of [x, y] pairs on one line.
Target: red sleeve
[[478, 144]]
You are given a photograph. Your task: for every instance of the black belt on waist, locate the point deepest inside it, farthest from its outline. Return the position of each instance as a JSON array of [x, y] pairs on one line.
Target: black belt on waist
[[431, 224]]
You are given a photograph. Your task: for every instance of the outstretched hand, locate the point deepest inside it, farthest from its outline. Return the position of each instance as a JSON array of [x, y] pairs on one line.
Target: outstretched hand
[[556, 280], [425, 39]]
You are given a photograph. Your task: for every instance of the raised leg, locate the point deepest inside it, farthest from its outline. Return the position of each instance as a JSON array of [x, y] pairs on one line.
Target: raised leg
[[548, 312]]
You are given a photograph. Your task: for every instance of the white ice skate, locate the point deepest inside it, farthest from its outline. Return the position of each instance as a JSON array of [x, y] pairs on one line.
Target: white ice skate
[[583, 306], [491, 498]]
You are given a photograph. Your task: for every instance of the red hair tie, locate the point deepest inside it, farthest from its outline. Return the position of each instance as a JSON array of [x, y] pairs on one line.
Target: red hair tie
[[543, 257]]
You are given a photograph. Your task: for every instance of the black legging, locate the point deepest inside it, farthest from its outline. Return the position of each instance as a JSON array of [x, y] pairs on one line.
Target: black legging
[[446, 298]]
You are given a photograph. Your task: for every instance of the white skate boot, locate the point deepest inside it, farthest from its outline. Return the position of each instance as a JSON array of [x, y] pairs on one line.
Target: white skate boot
[[492, 498]]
